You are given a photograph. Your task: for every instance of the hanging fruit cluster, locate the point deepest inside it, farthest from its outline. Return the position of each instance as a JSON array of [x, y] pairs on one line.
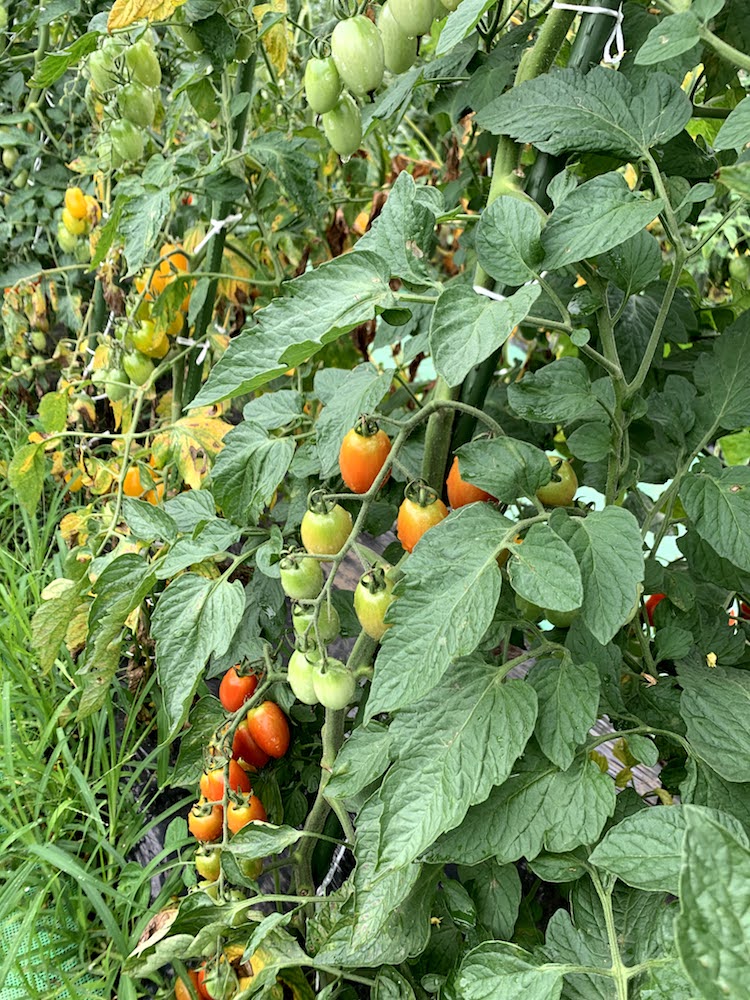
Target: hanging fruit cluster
[[80, 215], [354, 64]]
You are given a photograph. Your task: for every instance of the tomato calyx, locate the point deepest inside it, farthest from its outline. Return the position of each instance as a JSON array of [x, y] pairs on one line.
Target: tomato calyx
[[421, 493], [366, 426], [374, 580], [319, 502], [320, 48], [343, 9]]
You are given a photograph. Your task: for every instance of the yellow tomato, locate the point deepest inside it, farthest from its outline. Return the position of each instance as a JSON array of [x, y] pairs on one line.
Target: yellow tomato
[[75, 202], [75, 226], [150, 341]]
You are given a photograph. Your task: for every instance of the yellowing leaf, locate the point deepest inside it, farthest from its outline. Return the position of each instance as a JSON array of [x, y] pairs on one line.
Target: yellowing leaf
[[192, 443], [74, 528], [276, 39], [125, 12]]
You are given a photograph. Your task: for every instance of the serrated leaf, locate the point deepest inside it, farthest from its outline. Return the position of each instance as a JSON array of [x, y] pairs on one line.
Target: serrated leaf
[[672, 36], [148, 522], [633, 264], [557, 393], [248, 471], [362, 759], [495, 891], [26, 474], [361, 391], [724, 376], [544, 570], [51, 620], [260, 840], [333, 298], [192, 442], [210, 539], [461, 22], [715, 705], [505, 467], [449, 597], [205, 718], [54, 65], [598, 111], [594, 218], [735, 131], [718, 506], [194, 618], [508, 240], [485, 325], [125, 12], [274, 410], [500, 971], [568, 696], [53, 411], [608, 547], [391, 985], [451, 751]]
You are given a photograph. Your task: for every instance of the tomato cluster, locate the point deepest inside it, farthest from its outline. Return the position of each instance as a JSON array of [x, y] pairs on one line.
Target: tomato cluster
[[80, 215]]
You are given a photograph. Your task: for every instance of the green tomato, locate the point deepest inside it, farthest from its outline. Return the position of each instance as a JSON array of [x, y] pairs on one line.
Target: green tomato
[[301, 577], [38, 340], [16, 363], [10, 157], [322, 84], [143, 63], [324, 533], [329, 623], [300, 677], [372, 598], [101, 67], [127, 140], [529, 612], [244, 48], [117, 385], [139, 367], [3, 18], [208, 863], [562, 619], [357, 50], [400, 50], [739, 267], [343, 126], [19, 181], [68, 241], [334, 685], [136, 103], [188, 36], [450, 4], [561, 490], [414, 16]]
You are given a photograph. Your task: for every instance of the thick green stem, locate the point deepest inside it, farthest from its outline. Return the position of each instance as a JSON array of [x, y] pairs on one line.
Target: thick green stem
[[438, 438], [619, 971], [214, 257], [539, 58], [648, 355]]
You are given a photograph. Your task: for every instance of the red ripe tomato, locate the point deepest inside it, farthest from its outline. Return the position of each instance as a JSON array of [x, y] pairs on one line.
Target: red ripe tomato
[[205, 821], [235, 689], [420, 511], [651, 603], [212, 781], [245, 748], [460, 492], [269, 727], [202, 988], [362, 455], [248, 810]]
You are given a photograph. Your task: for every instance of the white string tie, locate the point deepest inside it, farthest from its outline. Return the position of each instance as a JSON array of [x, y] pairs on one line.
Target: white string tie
[[615, 38], [216, 227]]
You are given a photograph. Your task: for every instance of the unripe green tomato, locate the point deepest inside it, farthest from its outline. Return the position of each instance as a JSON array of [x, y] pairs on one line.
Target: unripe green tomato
[[250, 867], [101, 67], [244, 48], [136, 103], [301, 577], [208, 863], [38, 340], [399, 49], [529, 611], [371, 605], [562, 619], [322, 84], [117, 385], [334, 685], [559, 493], [10, 157], [37, 361], [3, 18], [357, 50], [739, 269], [343, 126], [68, 241], [189, 37], [450, 4], [414, 16], [16, 363], [324, 533], [329, 623], [143, 63], [139, 367], [299, 674], [127, 140], [19, 181]]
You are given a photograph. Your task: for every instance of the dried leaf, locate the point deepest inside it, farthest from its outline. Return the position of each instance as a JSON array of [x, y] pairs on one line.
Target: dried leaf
[[125, 12]]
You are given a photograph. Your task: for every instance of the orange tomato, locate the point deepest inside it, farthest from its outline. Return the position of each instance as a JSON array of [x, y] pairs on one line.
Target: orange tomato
[[75, 202], [269, 727], [134, 485], [155, 495], [206, 822], [414, 520], [460, 492], [249, 810], [212, 781], [362, 456]]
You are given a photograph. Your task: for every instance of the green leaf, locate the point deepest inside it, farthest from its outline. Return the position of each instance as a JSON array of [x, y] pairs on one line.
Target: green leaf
[[190, 509], [148, 522], [274, 410], [361, 391], [446, 605], [51, 620], [485, 324], [713, 928], [724, 376], [261, 840], [594, 218], [671, 37], [590, 442], [705, 787], [667, 982], [543, 570], [206, 717], [461, 22], [194, 618], [735, 131], [248, 470], [141, 222], [568, 696], [207, 540], [26, 474], [585, 945], [391, 985], [53, 66], [506, 468], [633, 264], [557, 393], [333, 298], [608, 547], [598, 111], [508, 240], [404, 232], [500, 971], [496, 893], [540, 806], [360, 761], [566, 867], [53, 411], [293, 167], [718, 505], [715, 705], [452, 746]]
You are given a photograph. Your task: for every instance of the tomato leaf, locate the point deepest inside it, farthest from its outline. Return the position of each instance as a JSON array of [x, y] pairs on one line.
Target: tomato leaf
[[724, 375], [598, 111], [52, 619], [452, 747], [568, 696], [544, 570], [508, 240], [451, 591], [194, 618], [671, 37], [260, 840], [124, 12], [192, 442], [497, 970], [485, 325], [207, 540], [715, 705], [633, 264], [505, 467], [461, 22], [360, 761], [148, 522], [558, 393], [248, 471], [26, 474], [334, 298]]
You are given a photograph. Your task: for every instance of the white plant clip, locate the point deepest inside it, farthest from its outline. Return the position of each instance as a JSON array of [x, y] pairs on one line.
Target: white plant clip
[[615, 38], [216, 227]]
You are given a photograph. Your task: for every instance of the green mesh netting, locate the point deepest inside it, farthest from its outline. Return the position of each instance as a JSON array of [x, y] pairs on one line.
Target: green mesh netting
[[42, 962]]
